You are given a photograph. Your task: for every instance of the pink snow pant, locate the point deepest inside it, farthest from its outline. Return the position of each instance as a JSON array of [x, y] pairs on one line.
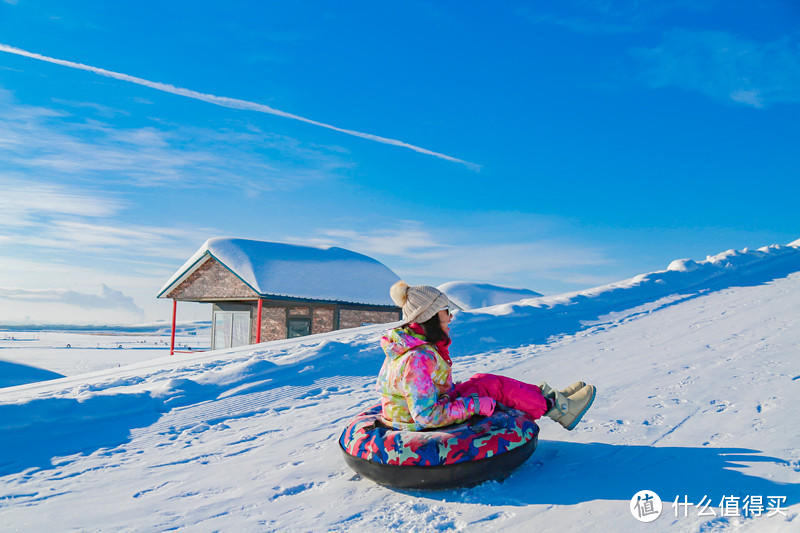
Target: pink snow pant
[[509, 392]]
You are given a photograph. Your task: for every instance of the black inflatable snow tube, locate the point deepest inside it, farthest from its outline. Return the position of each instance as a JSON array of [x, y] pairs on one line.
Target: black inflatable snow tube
[[462, 455]]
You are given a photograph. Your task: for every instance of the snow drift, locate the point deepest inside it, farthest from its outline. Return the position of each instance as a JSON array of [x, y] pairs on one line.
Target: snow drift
[[469, 295]]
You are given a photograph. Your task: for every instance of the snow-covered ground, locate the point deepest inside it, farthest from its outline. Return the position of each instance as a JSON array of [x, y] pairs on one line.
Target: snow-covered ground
[[28, 354], [698, 385]]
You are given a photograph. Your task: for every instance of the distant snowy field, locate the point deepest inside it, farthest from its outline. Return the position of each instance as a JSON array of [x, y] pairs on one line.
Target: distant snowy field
[[698, 386], [34, 354]]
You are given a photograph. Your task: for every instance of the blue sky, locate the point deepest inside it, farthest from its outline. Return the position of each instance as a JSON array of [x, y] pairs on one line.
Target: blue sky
[[572, 145]]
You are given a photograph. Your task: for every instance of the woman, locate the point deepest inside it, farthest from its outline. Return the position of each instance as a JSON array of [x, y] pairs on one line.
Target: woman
[[415, 382]]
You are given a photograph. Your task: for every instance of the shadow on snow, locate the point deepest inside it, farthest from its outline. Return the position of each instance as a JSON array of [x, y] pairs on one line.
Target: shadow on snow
[[13, 374], [35, 432], [568, 473]]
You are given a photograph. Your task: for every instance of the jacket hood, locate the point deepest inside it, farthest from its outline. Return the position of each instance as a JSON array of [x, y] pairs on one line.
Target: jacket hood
[[398, 341]]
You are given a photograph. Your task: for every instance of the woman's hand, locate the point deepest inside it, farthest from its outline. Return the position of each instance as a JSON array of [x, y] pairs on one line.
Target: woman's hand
[[487, 405]]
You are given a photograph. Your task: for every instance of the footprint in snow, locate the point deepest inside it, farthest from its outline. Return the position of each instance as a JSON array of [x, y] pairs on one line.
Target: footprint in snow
[[718, 406], [289, 464], [150, 490], [613, 426], [768, 404], [655, 420], [718, 438], [291, 491]]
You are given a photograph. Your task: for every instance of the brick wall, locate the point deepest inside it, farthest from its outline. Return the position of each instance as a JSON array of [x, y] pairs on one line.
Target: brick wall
[[273, 319], [322, 321], [211, 281], [273, 324], [352, 318]]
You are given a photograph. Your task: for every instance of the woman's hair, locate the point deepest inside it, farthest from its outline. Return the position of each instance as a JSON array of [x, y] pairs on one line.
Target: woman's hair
[[433, 329]]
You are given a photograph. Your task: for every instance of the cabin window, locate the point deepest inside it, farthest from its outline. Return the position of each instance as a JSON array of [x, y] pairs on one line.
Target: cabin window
[[231, 329], [298, 327]]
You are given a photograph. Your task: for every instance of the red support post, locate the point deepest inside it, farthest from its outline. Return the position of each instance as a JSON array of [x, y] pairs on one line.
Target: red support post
[[174, 312], [258, 321]]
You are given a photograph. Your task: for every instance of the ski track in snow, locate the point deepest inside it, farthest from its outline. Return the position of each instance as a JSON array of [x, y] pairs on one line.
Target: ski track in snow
[[696, 395]]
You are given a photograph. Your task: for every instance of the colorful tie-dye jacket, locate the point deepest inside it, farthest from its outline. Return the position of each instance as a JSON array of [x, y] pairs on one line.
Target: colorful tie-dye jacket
[[415, 385]]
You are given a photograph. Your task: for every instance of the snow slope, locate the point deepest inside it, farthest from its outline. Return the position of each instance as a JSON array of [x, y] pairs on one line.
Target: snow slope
[[468, 295], [698, 382]]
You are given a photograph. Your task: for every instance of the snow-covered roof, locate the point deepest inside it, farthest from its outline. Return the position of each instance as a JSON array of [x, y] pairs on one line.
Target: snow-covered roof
[[289, 270]]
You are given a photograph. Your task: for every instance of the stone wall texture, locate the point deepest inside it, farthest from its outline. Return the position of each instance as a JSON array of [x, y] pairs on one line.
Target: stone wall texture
[[211, 281], [322, 321], [353, 318], [273, 324]]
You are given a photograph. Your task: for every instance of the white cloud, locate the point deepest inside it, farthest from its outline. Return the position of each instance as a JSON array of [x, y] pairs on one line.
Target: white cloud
[[725, 67], [751, 97], [111, 240], [24, 202], [384, 242], [101, 110], [43, 143], [503, 263], [68, 306], [53, 216], [55, 234], [107, 299], [414, 253], [224, 101], [54, 271], [53, 288]]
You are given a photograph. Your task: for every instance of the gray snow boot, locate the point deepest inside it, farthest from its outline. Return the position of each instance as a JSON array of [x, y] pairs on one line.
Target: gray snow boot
[[568, 410]]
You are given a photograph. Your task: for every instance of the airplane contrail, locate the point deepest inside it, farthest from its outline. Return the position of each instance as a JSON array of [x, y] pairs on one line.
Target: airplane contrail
[[224, 101]]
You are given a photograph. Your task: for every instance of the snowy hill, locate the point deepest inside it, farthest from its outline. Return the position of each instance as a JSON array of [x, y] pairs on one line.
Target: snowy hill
[[698, 387], [476, 295]]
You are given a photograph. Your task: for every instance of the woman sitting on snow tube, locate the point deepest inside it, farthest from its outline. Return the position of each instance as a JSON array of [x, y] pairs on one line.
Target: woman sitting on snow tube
[[464, 454], [418, 396]]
